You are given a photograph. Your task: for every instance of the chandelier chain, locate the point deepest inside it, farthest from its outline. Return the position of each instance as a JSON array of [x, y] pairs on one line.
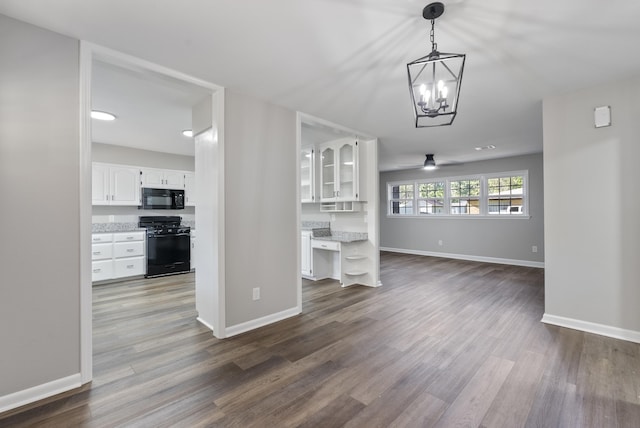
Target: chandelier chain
[[434, 45]]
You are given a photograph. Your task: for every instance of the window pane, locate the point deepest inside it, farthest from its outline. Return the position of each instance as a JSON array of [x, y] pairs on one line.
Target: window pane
[[395, 192], [430, 206], [465, 206]]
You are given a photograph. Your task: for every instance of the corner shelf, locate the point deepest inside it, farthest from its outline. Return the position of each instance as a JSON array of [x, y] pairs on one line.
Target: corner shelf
[[356, 273]]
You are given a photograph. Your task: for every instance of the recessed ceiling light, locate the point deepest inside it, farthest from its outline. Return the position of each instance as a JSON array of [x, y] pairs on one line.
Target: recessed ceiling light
[[187, 133], [102, 115], [489, 147]]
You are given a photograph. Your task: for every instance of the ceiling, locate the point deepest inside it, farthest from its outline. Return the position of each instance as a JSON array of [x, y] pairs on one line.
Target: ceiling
[[152, 110], [344, 60]]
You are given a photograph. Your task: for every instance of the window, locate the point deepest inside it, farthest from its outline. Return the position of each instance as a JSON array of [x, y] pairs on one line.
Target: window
[[465, 196], [401, 199], [505, 195], [431, 198], [490, 195]]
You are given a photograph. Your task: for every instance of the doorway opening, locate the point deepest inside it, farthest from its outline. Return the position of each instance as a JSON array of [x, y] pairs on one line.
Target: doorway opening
[[110, 80]]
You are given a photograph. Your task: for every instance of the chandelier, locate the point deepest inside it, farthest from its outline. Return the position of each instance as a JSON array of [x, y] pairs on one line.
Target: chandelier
[[434, 80]]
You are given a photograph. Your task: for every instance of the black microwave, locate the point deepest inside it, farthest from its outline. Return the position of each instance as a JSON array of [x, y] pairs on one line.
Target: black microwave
[[162, 199]]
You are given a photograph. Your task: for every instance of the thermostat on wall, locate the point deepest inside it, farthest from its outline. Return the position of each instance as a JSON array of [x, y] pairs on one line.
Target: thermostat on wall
[[602, 116]]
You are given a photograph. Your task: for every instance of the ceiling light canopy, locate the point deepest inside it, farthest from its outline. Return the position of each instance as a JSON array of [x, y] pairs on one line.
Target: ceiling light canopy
[[429, 163], [102, 115], [434, 80], [187, 133]]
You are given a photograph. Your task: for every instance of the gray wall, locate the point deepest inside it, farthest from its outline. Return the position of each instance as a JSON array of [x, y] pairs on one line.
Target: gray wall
[[591, 191], [39, 183], [109, 153], [260, 208], [507, 238]]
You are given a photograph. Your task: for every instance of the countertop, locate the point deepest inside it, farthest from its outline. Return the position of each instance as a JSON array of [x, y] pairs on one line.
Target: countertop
[[127, 227], [341, 236]]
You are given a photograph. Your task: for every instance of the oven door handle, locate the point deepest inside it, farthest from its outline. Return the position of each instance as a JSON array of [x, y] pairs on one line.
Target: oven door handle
[[169, 236]]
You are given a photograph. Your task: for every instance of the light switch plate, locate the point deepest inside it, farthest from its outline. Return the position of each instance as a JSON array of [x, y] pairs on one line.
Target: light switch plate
[[602, 116]]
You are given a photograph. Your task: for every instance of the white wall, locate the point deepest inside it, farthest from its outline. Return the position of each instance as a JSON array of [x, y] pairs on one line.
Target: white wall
[[110, 153], [592, 229], [506, 239], [40, 205], [260, 208]]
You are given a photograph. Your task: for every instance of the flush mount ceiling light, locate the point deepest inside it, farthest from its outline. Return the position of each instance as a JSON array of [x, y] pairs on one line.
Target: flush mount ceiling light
[[489, 147], [429, 163], [102, 115], [434, 80], [187, 133]]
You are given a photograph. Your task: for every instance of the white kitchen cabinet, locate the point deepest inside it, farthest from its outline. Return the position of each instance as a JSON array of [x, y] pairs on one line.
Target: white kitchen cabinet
[[162, 178], [192, 261], [115, 185], [117, 255], [101, 270], [307, 175], [189, 189], [306, 258], [339, 171]]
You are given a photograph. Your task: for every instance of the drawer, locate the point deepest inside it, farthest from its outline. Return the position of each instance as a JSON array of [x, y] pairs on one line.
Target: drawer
[[325, 245], [128, 249], [129, 267], [129, 236], [101, 251], [101, 270], [101, 237]]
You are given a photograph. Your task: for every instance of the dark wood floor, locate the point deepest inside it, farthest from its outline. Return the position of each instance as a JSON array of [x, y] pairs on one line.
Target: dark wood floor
[[443, 343]]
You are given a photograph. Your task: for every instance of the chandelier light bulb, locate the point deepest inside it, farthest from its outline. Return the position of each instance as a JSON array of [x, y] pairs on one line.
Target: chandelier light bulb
[[444, 91], [423, 89]]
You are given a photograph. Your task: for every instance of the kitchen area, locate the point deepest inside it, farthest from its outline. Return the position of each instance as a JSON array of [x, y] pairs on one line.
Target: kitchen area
[[143, 175], [338, 196]]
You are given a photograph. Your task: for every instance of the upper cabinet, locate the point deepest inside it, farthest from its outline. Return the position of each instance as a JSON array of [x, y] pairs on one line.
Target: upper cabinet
[[121, 184], [307, 175], [115, 185], [339, 171], [189, 189], [162, 178]]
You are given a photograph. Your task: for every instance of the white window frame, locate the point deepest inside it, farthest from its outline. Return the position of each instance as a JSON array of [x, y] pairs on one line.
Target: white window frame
[[418, 198], [390, 199], [484, 196]]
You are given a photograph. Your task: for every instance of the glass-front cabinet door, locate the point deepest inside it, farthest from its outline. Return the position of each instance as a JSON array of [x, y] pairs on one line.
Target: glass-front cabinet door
[[307, 191], [328, 173], [347, 172]]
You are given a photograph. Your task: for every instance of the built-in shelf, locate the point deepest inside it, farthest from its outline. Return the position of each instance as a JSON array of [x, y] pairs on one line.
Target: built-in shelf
[[329, 165], [340, 207]]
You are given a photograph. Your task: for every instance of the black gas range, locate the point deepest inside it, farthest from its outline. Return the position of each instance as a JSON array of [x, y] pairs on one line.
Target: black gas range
[[168, 245]]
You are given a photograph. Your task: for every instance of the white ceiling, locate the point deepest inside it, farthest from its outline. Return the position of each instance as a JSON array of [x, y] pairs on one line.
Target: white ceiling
[[152, 110], [344, 60]]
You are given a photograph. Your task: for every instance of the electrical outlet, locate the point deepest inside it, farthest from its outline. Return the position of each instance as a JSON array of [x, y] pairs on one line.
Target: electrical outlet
[[440, 242], [534, 249], [256, 293]]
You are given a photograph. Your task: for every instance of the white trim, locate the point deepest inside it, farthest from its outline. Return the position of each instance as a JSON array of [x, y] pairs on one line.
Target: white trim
[[462, 216], [204, 323], [39, 392], [85, 168], [261, 322], [498, 260], [591, 327]]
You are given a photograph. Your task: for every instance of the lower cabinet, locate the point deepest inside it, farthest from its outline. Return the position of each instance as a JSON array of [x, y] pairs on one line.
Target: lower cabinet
[[117, 255], [193, 249], [306, 258]]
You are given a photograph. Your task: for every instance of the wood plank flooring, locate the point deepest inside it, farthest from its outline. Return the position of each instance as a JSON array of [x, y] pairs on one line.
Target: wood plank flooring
[[444, 343]]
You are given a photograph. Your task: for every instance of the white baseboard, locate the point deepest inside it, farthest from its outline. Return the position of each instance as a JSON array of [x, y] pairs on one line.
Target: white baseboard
[[514, 262], [591, 327], [261, 322], [30, 395], [204, 323]]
